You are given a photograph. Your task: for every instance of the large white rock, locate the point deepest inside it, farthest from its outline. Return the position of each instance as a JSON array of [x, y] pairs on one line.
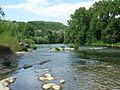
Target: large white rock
[[5, 83], [47, 86], [51, 86], [42, 78], [50, 78], [46, 76], [11, 79], [6, 88], [56, 87]]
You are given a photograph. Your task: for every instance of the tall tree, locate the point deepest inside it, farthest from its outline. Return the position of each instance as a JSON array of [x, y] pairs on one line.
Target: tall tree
[[1, 12]]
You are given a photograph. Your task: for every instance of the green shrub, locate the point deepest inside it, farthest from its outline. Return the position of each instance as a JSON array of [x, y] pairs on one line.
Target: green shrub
[[75, 46], [29, 41], [33, 46], [25, 49], [9, 41]]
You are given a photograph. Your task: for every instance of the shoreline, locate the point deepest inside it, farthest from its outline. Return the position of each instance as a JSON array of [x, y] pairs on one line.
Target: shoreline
[[6, 58]]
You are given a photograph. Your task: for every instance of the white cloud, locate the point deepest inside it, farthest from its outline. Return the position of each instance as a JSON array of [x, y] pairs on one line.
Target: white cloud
[[48, 8]]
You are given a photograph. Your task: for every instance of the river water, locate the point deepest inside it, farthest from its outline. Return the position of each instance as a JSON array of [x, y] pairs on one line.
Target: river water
[[91, 68]]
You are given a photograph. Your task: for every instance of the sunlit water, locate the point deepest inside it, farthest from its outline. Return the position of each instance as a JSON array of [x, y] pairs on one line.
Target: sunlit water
[[83, 70]]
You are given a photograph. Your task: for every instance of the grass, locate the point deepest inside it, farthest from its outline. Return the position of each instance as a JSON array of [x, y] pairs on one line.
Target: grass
[[9, 41], [100, 43]]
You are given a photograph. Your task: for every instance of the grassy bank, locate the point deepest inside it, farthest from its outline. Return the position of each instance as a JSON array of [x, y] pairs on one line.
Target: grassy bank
[[100, 43]]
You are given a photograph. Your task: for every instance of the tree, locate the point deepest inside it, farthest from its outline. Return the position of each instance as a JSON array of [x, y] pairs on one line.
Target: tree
[[1, 12], [101, 22]]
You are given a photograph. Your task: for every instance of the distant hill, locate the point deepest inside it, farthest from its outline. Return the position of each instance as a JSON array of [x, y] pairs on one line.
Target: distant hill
[[44, 25]]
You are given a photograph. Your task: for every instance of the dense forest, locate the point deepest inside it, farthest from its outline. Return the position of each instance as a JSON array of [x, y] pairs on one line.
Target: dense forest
[[99, 25], [48, 32], [21, 35]]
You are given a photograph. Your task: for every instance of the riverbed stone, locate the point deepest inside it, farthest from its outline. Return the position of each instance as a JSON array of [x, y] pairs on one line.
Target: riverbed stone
[[46, 76], [6, 82], [47, 86], [62, 81], [27, 66], [56, 87], [11, 79], [51, 86]]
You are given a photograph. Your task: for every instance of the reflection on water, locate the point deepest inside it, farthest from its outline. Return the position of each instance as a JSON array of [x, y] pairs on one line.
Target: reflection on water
[[87, 69]]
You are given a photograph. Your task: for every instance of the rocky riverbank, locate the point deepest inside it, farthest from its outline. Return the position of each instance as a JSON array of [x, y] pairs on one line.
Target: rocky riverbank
[[4, 84], [7, 62]]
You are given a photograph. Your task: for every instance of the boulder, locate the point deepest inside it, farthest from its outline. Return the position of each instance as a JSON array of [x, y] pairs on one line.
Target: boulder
[[46, 76], [51, 86], [62, 81], [47, 86], [42, 78], [6, 82], [56, 87], [11, 80]]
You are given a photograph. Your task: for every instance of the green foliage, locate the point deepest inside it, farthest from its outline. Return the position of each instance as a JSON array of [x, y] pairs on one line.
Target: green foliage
[[42, 25], [75, 46], [99, 23], [13, 33], [29, 41], [48, 32], [33, 46], [9, 41]]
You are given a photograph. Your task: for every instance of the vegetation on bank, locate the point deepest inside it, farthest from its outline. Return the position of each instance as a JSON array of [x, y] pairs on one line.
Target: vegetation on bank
[[99, 25], [21, 36]]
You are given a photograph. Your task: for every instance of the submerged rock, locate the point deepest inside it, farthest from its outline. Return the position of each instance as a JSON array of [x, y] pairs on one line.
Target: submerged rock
[[27, 66], [43, 62]]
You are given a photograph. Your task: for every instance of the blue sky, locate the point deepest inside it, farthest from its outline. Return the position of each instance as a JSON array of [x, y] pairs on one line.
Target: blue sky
[[43, 10]]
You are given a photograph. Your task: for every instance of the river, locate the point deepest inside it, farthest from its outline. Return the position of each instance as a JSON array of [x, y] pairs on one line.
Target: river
[[91, 68]]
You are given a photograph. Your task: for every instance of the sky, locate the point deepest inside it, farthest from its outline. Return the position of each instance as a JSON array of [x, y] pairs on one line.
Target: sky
[[42, 10]]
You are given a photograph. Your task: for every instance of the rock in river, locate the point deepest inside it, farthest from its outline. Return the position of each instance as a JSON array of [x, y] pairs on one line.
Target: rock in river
[[62, 81], [46, 76], [27, 66], [51, 86]]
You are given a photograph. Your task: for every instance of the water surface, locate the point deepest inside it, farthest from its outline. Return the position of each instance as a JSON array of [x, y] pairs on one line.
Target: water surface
[[91, 68]]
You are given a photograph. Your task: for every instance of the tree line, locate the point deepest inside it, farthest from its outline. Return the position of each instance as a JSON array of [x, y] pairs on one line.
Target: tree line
[[23, 35], [100, 24]]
